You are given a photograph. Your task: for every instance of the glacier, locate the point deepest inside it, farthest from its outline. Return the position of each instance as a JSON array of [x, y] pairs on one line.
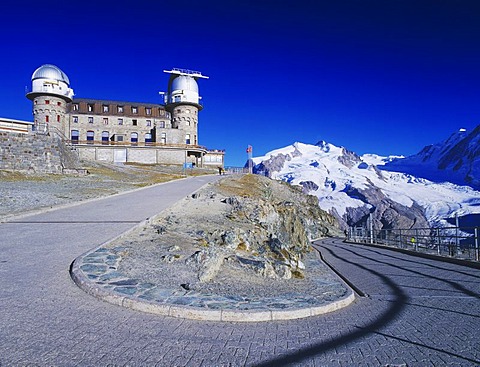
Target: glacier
[[351, 187]]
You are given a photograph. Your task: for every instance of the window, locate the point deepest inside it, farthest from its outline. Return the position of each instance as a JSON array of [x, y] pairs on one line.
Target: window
[[187, 139], [90, 107], [161, 112], [120, 109], [119, 137], [135, 110], [90, 136], [75, 106], [188, 122], [134, 122], [47, 118], [120, 121], [105, 137], [148, 110], [149, 122], [47, 101], [75, 119], [105, 121], [163, 138], [161, 124], [134, 138], [59, 103], [105, 108], [58, 118], [75, 134], [90, 120], [187, 111], [179, 110], [148, 138]]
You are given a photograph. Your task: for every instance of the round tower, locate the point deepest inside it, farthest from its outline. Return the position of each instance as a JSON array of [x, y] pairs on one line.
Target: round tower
[[182, 100], [50, 94]]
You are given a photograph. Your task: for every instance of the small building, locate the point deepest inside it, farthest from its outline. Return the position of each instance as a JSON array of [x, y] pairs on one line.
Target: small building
[[15, 126]]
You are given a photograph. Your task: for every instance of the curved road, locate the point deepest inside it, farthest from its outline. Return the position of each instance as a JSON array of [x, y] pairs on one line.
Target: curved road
[[419, 312]]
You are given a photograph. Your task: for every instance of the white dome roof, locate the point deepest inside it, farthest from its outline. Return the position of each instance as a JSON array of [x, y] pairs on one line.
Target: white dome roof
[[52, 72], [184, 82]]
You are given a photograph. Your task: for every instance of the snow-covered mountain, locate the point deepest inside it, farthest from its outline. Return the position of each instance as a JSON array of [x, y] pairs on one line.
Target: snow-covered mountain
[[351, 187], [456, 160]]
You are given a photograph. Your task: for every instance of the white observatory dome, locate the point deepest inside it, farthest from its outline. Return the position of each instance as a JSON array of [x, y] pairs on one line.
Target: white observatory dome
[[186, 83], [50, 72]]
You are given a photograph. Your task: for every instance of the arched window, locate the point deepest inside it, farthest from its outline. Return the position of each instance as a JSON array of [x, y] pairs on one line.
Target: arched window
[[90, 136], [75, 134], [134, 138], [105, 137], [187, 139], [148, 138]]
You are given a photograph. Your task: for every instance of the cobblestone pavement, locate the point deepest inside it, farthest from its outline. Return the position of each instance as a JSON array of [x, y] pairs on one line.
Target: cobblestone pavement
[[420, 312]]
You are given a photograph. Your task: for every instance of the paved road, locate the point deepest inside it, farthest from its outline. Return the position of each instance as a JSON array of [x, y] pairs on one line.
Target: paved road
[[419, 313]]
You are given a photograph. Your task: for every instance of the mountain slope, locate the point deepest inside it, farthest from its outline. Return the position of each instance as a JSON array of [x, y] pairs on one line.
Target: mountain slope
[[351, 187], [456, 160]]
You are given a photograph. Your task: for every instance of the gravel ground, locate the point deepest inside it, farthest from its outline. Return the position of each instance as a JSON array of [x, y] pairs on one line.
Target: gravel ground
[[20, 193]]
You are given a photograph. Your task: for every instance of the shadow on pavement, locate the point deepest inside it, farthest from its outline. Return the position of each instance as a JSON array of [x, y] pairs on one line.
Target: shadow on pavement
[[398, 305], [388, 316], [451, 283]]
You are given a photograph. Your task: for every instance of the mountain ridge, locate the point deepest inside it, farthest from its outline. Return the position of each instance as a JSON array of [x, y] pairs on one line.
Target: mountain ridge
[[456, 159], [351, 187]]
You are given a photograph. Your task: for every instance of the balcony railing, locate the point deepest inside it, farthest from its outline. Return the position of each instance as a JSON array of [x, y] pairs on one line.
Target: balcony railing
[[134, 144]]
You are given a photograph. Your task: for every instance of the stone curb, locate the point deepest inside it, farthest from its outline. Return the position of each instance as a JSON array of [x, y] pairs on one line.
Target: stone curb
[[196, 313]]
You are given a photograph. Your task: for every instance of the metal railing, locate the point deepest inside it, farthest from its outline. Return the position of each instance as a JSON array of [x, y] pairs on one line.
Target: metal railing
[[135, 144], [457, 242]]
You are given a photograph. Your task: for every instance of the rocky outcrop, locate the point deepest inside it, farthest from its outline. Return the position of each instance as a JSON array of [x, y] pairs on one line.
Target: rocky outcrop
[[241, 228], [386, 213]]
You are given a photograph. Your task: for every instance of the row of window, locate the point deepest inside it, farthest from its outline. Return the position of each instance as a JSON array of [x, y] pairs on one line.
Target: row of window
[[47, 118], [47, 101], [90, 137], [120, 109], [75, 137], [120, 121]]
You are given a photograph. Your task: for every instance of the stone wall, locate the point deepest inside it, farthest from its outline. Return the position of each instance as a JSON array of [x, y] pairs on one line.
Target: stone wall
[[36, 153]]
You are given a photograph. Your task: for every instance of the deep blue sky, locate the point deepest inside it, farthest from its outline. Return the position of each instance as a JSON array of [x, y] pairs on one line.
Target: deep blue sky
[[375, 76]]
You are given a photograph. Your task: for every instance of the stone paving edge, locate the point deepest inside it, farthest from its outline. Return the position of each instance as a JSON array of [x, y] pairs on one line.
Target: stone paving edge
[[197, 313], [194, 313]]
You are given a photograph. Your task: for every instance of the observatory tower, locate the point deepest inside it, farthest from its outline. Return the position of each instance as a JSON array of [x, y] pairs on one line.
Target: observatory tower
[[50, 94], [183, 101]]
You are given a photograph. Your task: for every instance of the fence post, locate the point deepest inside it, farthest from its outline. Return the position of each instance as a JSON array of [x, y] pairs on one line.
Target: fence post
[[476, 244], [438, 241]]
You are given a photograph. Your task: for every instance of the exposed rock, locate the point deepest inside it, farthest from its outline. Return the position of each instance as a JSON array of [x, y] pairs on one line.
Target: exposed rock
[[242, 228], [386, 213], [309, 186]]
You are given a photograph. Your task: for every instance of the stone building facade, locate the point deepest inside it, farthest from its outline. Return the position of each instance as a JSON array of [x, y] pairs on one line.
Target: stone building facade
[[121, 131]]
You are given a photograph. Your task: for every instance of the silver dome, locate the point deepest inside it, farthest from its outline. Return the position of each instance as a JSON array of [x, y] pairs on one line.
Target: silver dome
[[49, 71], [184, 82]]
